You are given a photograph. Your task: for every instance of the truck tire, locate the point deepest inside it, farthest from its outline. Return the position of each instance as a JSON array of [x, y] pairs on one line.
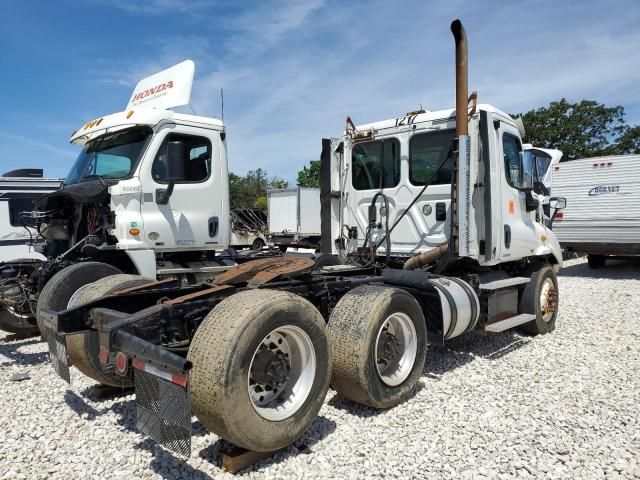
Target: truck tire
[[82, 348], [258, 244], [15, 323], [596, 261], [541, 297], [22, 322], [378, 338], [261, 369], [60, 288]]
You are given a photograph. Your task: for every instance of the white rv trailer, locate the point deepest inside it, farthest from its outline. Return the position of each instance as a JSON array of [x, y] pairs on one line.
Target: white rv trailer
[[18, 190], [294, 217], [602, 217]]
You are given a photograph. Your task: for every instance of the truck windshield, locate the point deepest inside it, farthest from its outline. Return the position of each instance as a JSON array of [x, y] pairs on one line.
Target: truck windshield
[[110, 156]]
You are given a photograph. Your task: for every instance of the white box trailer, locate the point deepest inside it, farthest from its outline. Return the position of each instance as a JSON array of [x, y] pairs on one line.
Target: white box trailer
[[602, 217], [18, 190], [294, 217]]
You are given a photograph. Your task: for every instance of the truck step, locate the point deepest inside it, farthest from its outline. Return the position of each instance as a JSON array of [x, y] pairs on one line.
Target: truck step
[[508, 323], [504, 283]]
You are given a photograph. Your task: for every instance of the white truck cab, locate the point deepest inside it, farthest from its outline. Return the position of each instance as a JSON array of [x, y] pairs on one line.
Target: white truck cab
[[152, 213], [397, 157]]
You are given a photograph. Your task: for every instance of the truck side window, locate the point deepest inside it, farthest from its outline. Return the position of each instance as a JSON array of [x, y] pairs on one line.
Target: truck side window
[[426, 152], [197, 158], [511, 149], [376, 164]]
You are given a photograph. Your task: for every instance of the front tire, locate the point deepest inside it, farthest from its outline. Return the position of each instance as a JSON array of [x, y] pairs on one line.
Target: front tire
[[83, 348], [261, 369], [379, 342], [58, 291], [541, 298]]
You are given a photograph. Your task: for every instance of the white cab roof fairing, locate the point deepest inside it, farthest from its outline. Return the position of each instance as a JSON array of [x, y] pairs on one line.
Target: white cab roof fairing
[[149, 117], [166, 89], [428, 116]]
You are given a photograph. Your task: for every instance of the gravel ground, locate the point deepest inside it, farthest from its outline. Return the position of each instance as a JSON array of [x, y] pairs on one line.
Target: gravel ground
[[557, 406]]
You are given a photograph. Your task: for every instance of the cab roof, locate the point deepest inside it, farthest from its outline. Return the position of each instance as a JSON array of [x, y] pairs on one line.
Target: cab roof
[[427, 116], [149, 117]]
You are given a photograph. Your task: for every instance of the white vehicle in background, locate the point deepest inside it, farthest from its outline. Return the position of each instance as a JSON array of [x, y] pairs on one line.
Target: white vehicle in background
[[602, 216], [294, 218], [249, 228], [18, 190]]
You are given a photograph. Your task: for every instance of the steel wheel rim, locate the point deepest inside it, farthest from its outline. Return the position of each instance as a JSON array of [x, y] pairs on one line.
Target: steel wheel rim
[[548, 300], [278, 399], [396, 349]]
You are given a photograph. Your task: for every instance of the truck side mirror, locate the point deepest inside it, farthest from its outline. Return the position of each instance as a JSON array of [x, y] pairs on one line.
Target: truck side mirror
[[175, 171], [557, 203], [175, 162]]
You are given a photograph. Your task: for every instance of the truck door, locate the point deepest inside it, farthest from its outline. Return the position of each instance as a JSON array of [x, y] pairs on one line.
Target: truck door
[[193, 217], [399, 167], [519, 234]]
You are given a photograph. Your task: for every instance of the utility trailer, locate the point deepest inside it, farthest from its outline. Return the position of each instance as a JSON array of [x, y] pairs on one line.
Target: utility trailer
[[438, 229], [602, 218], [18, 191], [294, 217]]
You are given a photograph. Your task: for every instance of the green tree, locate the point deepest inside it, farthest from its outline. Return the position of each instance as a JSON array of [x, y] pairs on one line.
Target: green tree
[[584, 129], [250, 191], [629, 141], [310, 176]]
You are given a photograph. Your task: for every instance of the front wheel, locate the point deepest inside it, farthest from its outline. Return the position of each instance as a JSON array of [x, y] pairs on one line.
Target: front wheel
[[261, 369], [60, 288], [540, 297]]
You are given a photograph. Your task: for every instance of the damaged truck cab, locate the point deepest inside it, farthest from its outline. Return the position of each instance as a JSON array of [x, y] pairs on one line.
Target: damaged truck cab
[[148, 196]]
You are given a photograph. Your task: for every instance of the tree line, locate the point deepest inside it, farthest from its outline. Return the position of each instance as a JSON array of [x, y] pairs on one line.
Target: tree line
[[580, 130]]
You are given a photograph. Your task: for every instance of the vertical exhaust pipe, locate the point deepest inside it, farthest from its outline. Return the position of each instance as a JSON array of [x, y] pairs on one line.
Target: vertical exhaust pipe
[[462, 191], [462, 78]]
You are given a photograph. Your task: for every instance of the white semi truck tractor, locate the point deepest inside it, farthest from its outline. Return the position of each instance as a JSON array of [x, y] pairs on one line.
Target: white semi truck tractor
[[437, 230], [121, 209]]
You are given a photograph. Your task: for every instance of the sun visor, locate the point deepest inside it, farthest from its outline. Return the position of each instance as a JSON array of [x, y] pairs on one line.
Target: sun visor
[[166, 89]]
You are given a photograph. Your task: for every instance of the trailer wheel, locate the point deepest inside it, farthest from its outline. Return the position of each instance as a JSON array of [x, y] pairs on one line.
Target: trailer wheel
[[83, 347], [596, 261], [58, 291], [540, 297], [378, 339], [258, 244], [261, 368]]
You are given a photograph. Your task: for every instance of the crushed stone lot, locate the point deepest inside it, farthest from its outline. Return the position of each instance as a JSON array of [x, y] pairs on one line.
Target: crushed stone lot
[[510, 406]]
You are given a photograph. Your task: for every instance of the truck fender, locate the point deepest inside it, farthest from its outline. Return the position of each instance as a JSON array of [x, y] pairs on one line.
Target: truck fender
[[144, 261]]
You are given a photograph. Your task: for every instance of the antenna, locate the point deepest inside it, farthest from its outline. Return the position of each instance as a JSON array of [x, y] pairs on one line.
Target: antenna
[[222, 104]]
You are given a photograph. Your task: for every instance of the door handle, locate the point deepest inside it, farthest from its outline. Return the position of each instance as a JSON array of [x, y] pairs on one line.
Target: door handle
[[213, 226]]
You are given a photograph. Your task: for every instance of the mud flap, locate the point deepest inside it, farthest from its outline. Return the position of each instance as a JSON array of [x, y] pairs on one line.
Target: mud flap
[[163, 411], [57, 353]]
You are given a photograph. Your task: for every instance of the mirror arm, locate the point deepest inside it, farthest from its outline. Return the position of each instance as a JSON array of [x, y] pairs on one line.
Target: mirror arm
[[163, 194]]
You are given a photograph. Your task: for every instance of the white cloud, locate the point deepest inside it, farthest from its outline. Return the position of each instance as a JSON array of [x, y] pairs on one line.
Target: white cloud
[[291, 72]]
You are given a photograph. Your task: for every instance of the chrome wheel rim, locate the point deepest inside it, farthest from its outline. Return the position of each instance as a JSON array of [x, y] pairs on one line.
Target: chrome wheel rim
[[281, 373], [548, 300], [396, 349]]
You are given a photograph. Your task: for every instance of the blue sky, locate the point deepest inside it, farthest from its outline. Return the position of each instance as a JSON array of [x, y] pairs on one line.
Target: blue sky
[[292, 71]]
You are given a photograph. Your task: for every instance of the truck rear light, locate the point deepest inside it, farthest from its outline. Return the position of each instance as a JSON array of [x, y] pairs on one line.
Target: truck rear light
[[122, 363], [103, 355], [178, 379]]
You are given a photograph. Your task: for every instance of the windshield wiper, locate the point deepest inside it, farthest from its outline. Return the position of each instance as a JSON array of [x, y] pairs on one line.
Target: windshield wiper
[[99, 177]]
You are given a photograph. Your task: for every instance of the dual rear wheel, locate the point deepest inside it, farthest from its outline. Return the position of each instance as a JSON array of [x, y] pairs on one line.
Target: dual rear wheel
[[263, 360]]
